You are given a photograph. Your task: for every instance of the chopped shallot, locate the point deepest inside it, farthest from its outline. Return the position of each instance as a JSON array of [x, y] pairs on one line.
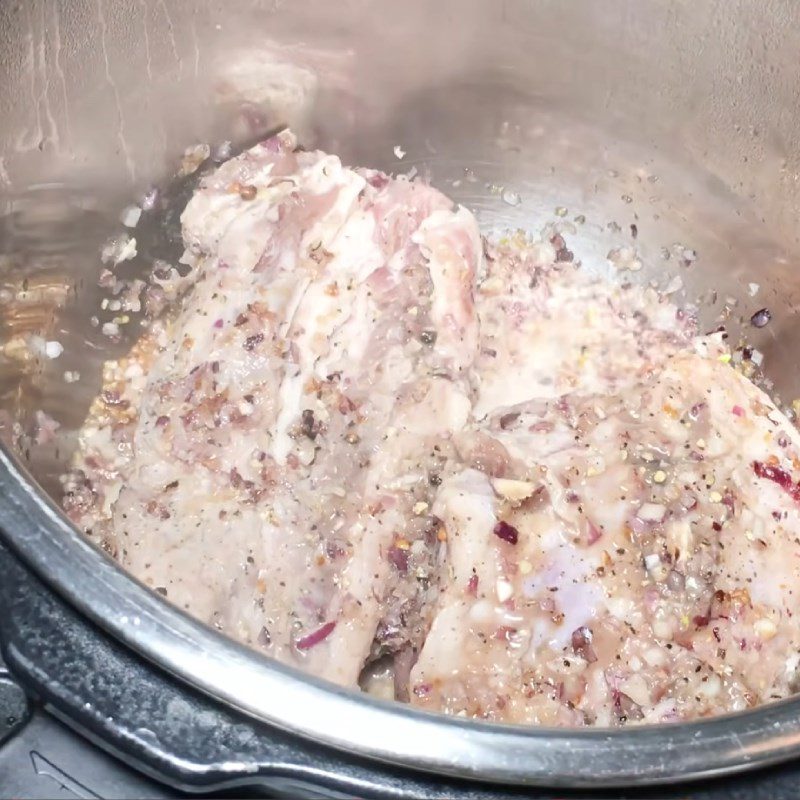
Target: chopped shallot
[[312, 639], [500, 485], [651, 512]]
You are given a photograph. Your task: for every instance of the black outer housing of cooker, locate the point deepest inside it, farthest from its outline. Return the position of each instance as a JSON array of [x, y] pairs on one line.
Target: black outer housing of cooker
[[109, 694]]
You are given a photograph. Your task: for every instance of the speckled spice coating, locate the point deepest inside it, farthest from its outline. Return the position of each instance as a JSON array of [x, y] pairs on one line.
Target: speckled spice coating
[[196, 744]]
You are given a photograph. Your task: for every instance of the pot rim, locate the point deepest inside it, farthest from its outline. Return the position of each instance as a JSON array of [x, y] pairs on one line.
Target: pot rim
[[38, 532]]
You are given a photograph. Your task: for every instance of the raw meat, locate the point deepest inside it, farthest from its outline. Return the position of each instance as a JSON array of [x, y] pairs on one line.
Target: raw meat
[[364, 435], [635, 587]]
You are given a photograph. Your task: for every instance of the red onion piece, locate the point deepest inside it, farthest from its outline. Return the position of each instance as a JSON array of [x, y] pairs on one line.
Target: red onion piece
[[317, 636], [505, 633], [625, 707], [507, 420], [272, 145], [398, 558], [593, 532], [676, 581], [696, 410], [582, 644], [508, 533], [638, 525], [378, 180], [651, 597], [779, 476]]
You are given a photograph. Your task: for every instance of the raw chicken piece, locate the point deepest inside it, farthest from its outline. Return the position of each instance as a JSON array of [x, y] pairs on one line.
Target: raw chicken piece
[[366, 435], [548, 329], [635, 560], [289, 410]]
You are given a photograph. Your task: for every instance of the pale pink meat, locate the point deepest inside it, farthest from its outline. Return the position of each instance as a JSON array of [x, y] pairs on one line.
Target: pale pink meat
[[290, 407], [652, 573], [366, 441]]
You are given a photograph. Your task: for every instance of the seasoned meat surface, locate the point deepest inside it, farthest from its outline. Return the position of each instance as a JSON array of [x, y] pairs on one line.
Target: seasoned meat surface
[[364, 433], [643, 562]]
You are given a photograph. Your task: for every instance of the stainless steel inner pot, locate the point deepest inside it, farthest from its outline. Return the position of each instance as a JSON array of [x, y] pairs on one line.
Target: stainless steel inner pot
[[680, 118]]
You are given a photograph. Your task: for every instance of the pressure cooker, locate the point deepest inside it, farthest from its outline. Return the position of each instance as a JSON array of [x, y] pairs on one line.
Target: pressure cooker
[[680, 119]]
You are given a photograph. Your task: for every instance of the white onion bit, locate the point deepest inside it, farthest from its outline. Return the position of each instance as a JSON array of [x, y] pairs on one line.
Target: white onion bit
[[651, 512], [504, 590], [651, 561]]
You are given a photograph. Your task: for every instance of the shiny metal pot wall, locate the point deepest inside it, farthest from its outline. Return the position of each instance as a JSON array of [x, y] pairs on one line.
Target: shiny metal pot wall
[[680, 119]]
